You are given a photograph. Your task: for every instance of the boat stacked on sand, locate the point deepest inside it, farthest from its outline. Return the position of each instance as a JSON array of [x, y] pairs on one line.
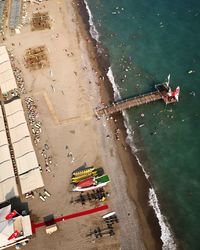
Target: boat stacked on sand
[[88, 178]]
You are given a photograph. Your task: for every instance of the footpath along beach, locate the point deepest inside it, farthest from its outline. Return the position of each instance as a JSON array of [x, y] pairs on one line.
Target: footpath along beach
[[66, 93]]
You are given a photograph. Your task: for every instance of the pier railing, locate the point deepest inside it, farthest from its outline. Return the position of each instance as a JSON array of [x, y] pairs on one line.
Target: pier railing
[[132, 102]]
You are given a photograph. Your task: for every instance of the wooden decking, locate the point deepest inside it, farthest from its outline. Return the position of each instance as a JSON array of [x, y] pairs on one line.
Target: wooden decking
[[132, 102]]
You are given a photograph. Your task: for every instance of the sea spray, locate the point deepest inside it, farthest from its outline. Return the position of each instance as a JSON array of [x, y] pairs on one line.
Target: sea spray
[[93, 32], [166, 235]]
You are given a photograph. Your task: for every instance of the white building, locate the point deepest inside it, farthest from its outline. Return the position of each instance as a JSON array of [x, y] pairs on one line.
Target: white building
[[28, 171], [8, 227]]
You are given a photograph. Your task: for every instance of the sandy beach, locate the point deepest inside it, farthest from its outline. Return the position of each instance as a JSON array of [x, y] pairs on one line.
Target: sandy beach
[[66, 93]]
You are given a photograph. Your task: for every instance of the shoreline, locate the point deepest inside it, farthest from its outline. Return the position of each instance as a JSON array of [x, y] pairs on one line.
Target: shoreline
[[138, 186], [66, 94]]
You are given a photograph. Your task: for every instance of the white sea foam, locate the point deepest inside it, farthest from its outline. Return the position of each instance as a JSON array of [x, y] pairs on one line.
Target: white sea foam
[[93, 31], [166, 235], [129, 138], [114, 85], [130, 141]]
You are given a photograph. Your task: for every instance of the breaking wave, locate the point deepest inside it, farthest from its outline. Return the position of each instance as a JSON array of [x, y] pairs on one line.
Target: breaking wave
[[166, 235], [114, 85], [93, 31]]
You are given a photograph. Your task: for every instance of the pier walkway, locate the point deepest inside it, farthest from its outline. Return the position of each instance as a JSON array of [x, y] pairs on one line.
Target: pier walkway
[[135, 101]]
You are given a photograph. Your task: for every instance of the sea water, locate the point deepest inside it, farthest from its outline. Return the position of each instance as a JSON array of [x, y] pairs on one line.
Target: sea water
[[147, 40]]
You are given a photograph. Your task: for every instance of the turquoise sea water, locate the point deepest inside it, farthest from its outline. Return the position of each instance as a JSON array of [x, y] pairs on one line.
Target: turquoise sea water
[[147, 40]]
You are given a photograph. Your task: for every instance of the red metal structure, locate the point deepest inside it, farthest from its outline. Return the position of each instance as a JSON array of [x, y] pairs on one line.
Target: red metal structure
[[70, 216]]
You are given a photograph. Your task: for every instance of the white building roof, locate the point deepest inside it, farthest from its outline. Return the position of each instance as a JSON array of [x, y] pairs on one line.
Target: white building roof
[[3, 138], [19, 133], [16, 119], [22, 148], [26, 222], [8, 81], [2, 126], [4, 67], [7, 227], [4, 153], [26, 160], [8, 189], [13, 107], [23, 162], [6, 171], [8, 186], [31, 181], [4, 56]]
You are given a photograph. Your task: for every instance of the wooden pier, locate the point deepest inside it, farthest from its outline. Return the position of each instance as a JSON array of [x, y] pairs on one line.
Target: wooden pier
[[159, 94]]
